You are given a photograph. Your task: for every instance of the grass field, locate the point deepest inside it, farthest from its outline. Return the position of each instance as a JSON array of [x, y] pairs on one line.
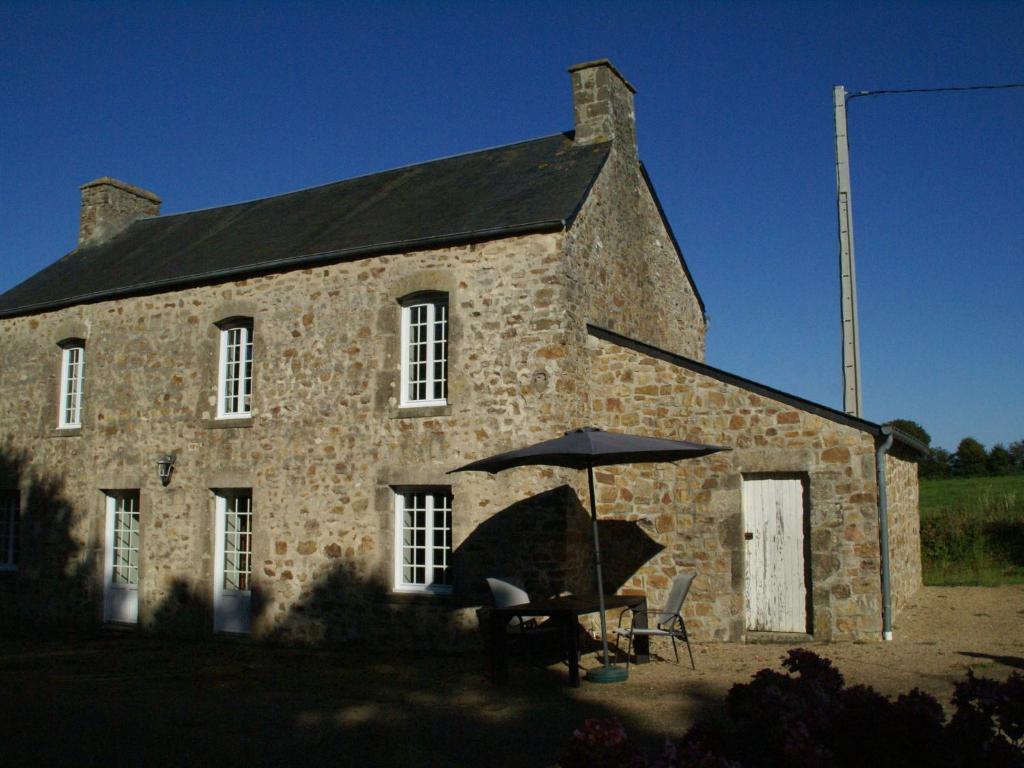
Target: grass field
[[972, 530]]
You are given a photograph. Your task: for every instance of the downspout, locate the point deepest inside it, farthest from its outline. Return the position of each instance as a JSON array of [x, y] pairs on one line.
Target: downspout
[[883, 531]]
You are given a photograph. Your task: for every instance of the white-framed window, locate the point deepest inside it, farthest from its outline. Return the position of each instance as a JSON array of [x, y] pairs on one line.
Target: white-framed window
[[234, 372], [423, 540], [10, 508], [72, 376], [425, 351], [236, 562], [124, 538]]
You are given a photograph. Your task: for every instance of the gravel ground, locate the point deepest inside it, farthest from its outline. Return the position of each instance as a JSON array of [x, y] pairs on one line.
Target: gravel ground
[[121, 699]]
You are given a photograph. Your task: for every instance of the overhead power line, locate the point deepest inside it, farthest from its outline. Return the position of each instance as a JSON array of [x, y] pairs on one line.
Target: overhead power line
[[889, 91]]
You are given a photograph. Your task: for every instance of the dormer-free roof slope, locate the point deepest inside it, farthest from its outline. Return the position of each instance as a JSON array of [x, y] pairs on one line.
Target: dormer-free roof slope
[[532, 186]]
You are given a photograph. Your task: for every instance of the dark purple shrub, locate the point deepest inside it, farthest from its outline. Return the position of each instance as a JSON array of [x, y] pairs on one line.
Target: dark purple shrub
[[807, 718], [602, 743]]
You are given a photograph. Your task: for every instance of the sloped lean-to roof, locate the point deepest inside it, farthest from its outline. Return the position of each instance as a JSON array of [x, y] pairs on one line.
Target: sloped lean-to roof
[[532, 186], [915, 447]]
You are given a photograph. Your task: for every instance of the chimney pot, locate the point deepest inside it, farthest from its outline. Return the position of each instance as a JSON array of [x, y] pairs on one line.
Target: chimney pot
[[109, 206]]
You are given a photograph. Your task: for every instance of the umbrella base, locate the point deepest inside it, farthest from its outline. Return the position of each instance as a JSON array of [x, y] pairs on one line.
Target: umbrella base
[[608, 675]]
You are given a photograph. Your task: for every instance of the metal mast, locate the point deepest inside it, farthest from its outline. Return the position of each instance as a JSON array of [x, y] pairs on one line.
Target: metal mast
[[847, 268]]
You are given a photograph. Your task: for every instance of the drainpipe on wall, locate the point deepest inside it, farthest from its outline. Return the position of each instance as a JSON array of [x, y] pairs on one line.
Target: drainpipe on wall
[[883, 531]]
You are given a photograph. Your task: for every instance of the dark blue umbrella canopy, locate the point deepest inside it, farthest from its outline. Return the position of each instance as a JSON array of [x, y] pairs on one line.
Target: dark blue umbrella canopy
[[591, 447]]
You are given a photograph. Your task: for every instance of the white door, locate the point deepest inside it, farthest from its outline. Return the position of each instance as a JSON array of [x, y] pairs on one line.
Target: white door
[[773, 525], [233, 562], [121, 562]]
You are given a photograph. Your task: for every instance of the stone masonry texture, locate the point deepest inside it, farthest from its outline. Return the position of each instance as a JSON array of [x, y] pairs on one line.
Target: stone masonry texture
[[693, 509]]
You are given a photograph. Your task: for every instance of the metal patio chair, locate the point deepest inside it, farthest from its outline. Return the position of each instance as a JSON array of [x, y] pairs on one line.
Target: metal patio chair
[[667, 621]]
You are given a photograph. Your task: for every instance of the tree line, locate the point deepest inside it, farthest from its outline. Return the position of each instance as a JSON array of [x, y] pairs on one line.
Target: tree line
[[970, 458]]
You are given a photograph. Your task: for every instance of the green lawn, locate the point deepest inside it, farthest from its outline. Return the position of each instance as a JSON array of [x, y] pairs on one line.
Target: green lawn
[[972, 530]]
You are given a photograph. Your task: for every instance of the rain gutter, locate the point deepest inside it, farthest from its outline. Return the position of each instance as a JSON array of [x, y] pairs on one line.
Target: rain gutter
[[883, 529]]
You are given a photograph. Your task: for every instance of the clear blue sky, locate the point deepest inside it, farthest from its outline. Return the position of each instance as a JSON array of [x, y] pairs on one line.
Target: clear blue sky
[[207, 104]]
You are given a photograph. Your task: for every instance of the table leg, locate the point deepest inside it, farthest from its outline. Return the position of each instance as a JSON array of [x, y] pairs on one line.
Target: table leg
[[641, 643], [572, 644], [499, 648]]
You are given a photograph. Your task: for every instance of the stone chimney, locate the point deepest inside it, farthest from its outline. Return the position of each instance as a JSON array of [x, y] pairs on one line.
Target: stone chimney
[[108, 206], [603, 104]]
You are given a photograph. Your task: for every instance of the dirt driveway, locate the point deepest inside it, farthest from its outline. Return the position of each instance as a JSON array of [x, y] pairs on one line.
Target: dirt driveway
[[126, 700]]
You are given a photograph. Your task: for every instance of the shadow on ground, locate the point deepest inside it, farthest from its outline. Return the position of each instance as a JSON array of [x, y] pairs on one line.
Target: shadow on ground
[[126, 699], [1014, 662]]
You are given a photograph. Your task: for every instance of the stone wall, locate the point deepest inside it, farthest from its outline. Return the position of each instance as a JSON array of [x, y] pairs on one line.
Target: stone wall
[[693, 510], [904, 529], [325, 446], [628, 277]]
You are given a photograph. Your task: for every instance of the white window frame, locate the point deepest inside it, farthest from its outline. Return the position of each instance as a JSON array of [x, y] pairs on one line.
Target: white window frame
[[431, 497], [235, 563], [238, 372], [121, 567], [72, 378], [436, 324], [10, 517]]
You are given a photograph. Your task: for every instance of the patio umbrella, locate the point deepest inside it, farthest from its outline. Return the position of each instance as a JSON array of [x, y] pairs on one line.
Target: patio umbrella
[[587, 448]]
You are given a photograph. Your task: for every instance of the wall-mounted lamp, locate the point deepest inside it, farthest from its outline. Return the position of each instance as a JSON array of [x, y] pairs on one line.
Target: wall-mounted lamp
[[165, 466]]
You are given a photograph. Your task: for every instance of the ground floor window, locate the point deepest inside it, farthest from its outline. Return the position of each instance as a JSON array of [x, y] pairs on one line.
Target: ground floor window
[[121, 569], [125, 545], [423, 540], [9, 516], [237, 540], [232, 577]]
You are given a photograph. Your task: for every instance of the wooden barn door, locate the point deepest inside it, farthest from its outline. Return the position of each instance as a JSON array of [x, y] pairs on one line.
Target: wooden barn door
[[774, 533]]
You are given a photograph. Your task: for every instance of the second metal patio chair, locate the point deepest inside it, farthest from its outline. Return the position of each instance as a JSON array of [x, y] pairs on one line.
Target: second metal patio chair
[[667, 621]]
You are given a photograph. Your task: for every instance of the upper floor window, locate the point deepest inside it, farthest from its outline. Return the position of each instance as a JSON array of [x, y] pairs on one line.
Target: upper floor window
[[72, 375], [9, 515], [425, 351], [423, 541], [234, 384]]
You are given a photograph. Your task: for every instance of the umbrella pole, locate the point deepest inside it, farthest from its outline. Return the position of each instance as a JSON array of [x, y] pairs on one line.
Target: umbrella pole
[[597, 564], [606, 673]]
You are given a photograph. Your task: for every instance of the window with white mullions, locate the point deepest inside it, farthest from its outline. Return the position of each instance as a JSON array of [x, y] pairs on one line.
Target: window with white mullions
[[9, 515], [237, 541], [72, 375], [125, 549], [235, 371], [121, 566], [425, 351], [232, 574], [423, 541]]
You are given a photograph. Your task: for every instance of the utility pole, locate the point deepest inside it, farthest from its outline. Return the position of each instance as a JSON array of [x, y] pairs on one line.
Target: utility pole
[[847, 267]]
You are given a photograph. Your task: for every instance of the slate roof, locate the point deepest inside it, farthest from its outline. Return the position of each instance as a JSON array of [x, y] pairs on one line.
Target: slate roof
[[532, 186]]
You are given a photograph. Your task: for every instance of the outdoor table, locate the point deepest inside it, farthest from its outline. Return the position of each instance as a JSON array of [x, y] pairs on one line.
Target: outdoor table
[[564, 610]]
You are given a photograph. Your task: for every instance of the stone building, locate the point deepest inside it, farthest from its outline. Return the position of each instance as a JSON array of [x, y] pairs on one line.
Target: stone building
[[240, 419]]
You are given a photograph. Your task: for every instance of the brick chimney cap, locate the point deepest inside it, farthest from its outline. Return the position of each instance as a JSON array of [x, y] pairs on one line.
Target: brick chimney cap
[[130, 188], [603, 63]]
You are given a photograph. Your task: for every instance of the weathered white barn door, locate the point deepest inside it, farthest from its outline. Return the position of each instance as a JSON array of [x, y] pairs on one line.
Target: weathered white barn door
[[773, 525], [121, 561]]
